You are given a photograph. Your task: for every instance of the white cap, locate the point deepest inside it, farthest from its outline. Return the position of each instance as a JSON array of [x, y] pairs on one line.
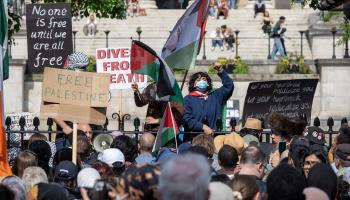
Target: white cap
[[220, 191], [111, 156], [87, 177]]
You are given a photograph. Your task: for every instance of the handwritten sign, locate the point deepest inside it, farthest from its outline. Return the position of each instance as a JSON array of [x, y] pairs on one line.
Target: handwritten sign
[[49, 34], [75, 96], [292, 98], [116, 62]]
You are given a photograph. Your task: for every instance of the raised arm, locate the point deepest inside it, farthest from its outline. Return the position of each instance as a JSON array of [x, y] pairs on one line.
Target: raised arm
[[226, 89], [139, 98]]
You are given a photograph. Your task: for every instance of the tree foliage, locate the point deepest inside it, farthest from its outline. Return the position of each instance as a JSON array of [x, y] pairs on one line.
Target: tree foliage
[[311, 3], [331, 15], [113, 9]]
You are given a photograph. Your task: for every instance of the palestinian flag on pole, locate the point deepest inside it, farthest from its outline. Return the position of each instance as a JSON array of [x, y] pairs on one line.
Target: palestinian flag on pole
[[5, 169], [3, 40], [167, 130], [145, 60], [183, 45]]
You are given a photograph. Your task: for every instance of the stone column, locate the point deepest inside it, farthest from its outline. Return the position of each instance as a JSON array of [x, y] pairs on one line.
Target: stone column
[[13, 87], [335, 84]]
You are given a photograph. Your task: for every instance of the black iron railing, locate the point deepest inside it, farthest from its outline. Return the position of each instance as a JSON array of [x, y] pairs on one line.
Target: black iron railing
[[265, 137]]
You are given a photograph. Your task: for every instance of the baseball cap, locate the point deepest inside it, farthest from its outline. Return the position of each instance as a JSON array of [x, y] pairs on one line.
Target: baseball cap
[[315, 135], [343, 151], [87, 177], [111, 156], [66, 170]]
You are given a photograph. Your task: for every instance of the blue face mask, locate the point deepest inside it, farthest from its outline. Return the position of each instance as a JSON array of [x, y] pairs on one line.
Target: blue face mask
[[202, 85]]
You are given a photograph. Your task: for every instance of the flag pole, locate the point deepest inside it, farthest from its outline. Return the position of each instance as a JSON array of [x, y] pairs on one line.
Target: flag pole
[[174, 125], [75, 141], [184, 79]]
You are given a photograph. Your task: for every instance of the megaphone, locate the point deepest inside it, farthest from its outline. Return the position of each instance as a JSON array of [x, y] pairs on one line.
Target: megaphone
[[102, 142]]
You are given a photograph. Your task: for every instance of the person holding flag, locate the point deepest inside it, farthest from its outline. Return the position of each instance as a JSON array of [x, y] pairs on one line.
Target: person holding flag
[[156, 107], [203, 105], [165, 88]]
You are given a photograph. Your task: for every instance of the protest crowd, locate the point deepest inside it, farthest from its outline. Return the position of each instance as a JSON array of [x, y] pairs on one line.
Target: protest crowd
[[181, 154]]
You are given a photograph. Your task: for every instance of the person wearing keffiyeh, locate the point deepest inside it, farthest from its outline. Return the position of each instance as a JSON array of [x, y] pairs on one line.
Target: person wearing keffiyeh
[[203, 106], [77, 61]]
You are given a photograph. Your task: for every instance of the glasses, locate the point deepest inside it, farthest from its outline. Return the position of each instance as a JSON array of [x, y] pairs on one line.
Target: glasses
[[264, 165]]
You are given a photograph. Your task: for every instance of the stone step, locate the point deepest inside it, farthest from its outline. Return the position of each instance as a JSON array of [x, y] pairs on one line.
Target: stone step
[[157, 24], [148, 4]]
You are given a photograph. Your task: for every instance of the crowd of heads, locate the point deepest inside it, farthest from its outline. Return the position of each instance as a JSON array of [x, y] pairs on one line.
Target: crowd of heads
[[235, 166]]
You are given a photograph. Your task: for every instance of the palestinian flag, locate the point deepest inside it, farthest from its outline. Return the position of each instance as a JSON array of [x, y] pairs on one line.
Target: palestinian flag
[[167, 131], [183, 45], [145, 60]]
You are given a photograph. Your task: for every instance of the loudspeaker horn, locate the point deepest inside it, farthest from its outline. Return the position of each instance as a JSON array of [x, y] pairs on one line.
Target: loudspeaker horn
[[102, 142]]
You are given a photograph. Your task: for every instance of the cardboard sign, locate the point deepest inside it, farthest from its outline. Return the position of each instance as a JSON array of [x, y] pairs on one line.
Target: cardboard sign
[[75, 96], [49, 35], [291, 98], [116, 62]]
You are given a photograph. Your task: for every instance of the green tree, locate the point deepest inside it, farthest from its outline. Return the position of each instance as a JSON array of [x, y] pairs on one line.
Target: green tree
[[328, 16], [312, 3], [113, 9]]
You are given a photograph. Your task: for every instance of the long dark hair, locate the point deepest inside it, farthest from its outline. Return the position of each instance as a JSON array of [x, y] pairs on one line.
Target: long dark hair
[[192, 87]]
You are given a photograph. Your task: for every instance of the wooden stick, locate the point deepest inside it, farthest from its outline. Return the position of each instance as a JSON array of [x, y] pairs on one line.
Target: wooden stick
[[74, 145], [121, 103]]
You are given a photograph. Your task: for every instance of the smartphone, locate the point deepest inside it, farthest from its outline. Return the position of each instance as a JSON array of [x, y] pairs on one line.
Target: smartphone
[[282, 146]]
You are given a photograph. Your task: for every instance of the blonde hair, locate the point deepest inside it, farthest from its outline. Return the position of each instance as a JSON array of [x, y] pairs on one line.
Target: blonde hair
[[205, 141]]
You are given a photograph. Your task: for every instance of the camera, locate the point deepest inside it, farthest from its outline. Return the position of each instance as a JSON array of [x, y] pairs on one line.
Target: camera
[[100, 190]]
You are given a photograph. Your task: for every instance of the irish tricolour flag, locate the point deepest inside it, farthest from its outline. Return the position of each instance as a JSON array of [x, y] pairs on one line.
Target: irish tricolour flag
[[167, 131], [145, 60], [5, 169], [182, 47]]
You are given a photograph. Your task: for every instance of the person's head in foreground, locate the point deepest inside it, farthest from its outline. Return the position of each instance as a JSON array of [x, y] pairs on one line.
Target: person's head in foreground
[[244, 187], [34, 175], [140, 182], [253, 162], [323, 177], [220, 191], [185, 177], [285, 183], [228, 158]]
